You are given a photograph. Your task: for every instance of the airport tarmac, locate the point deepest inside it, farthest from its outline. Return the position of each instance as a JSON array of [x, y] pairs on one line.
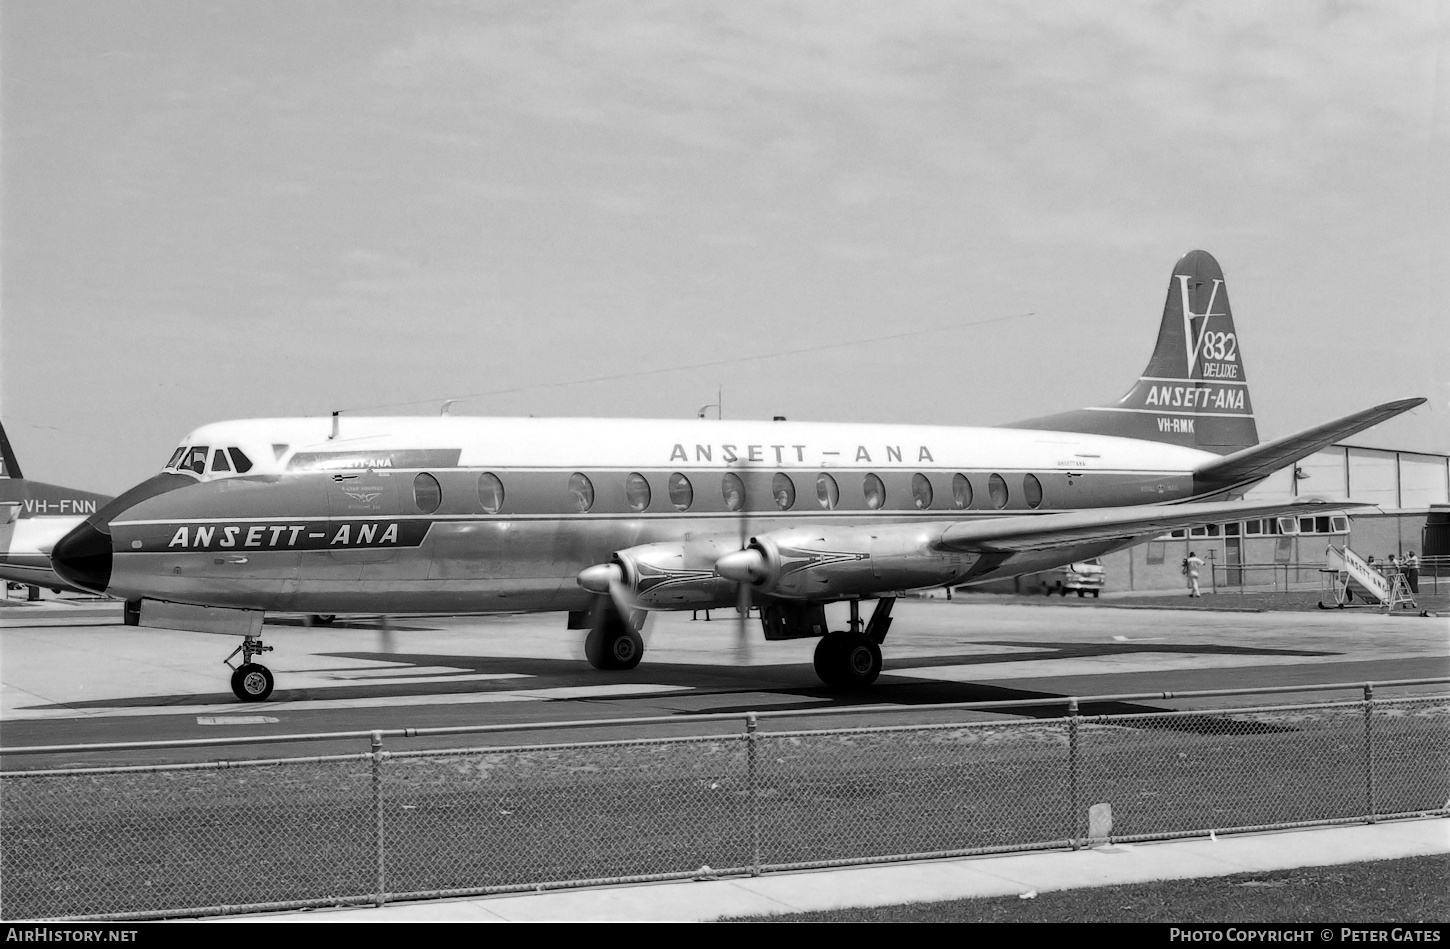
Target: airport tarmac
[[71, 673]]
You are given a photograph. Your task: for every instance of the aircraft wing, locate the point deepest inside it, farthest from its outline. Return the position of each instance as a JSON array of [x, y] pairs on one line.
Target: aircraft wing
[[1258, 462], [1045, 531]]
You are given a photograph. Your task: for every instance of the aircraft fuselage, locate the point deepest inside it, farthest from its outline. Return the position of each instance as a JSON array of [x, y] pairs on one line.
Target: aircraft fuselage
[[497, 520]]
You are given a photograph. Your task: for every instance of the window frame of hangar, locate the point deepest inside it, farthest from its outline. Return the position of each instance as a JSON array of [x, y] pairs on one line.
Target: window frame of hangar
[[921, 491], [782, 491], [637, 493], [830, 498], [495, 485], [1318, 524], [868, 481], [679, 487], [962, 492], [423, 481], [997, 491], [581, 492], [731, 479]]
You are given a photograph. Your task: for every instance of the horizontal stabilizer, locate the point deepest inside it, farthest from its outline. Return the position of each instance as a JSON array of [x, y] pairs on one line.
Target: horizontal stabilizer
[[1258, 462], [1045, 531]]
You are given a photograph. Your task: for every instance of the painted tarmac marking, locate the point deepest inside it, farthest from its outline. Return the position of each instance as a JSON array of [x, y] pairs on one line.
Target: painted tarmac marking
[[235, 720]]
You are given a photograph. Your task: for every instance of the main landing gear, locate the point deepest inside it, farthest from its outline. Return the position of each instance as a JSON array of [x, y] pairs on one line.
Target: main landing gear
[[251, 681], [613, 642], [851, 658]]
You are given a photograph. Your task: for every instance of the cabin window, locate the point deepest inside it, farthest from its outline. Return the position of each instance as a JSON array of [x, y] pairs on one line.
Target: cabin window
[[733, 490], [219, 460], [997, 491], [490, 492], [636, 491], [581, 490], [783, 490], [828, 493], [1032, 490], [427, 493], [196, 460], [682, 493], [176, 456], [874, 490], [961, 492], [921, 491], [241, 462]]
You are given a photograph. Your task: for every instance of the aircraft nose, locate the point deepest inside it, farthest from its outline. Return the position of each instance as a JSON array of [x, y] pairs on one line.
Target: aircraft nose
[[83, 557]]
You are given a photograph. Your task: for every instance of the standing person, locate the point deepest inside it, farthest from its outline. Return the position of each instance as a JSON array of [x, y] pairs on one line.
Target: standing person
[[1191, 563], [1412, 573]]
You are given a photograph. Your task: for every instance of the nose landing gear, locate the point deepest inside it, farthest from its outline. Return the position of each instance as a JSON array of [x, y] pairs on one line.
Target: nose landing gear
[[251, 681]]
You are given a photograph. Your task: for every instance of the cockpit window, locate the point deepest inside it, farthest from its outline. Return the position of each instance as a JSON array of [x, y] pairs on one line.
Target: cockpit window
[[242, 463], [176, 456], [195, 459], [219, 461]]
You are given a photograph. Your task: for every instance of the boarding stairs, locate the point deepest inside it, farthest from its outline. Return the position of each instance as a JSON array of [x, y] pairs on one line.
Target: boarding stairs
[[1379, 589]]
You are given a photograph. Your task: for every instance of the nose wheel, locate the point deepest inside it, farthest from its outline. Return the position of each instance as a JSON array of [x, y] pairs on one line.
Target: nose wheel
[[251, 681]]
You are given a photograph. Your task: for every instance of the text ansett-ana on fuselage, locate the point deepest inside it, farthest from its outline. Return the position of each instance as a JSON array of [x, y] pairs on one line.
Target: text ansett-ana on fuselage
[[609, 517]]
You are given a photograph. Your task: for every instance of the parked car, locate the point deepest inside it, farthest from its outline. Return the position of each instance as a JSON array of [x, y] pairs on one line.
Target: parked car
[[1087, 576]]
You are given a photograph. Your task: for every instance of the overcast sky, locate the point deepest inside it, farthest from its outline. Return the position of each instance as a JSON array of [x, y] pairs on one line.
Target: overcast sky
[[947, 213]]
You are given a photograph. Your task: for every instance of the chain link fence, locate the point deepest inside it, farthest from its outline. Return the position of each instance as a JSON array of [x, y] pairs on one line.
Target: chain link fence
[[227, 837]]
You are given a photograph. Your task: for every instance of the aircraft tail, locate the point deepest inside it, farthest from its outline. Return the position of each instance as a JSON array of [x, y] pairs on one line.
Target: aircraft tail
[[9, 467], [1193, 392]]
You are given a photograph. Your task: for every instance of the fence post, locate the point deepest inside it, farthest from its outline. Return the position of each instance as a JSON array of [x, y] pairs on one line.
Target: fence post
[[380, 896], [1074, 804], [751, 737], [1370, 808]]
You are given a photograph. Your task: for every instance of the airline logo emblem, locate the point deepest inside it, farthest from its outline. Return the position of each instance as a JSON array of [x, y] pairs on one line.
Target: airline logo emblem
[[1218, 350]]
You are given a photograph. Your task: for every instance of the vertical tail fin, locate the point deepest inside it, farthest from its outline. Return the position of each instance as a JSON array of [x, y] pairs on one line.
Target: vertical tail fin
[[1194, 391], [9, 467]]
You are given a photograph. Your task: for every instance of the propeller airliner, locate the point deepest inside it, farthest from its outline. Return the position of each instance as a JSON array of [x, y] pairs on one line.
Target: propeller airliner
[[606, 519]]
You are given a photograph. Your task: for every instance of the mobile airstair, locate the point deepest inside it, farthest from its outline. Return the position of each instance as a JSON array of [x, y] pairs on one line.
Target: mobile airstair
[[1376, 588]]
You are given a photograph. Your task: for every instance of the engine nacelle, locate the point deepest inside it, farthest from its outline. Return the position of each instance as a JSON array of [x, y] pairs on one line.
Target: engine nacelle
[[818, 564], [668, 576]]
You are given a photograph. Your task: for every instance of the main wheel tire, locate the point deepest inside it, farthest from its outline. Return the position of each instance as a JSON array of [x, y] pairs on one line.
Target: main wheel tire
[[1061, 590], [861, 661], [848, 660], [252, 682], [1095, 594], [131, 613], [615, 646], [323, 619], [626, 650], [1080, 594]]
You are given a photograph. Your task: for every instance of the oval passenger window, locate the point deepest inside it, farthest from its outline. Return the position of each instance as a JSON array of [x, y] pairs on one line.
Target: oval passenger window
[[427, 493], [961, 491], [490, 492], [682, 493], [875, 492], [997, 491], [581, 492], [636, 491]]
